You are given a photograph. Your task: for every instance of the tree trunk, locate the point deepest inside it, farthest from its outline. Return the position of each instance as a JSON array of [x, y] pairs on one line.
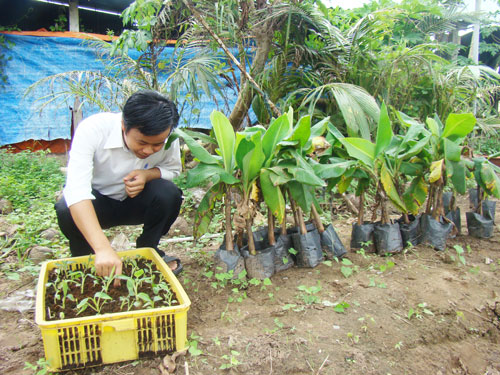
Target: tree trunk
[[245, 96], [263, 38]]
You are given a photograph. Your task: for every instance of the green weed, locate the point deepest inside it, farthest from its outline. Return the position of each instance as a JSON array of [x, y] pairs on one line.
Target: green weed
[[309, 293]]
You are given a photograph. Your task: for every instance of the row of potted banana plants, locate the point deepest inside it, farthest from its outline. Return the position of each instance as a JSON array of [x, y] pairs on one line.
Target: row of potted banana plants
[[285, 164]]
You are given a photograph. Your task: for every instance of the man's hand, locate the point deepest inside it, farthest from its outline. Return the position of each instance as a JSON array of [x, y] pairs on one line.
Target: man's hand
[[105, 261], [135, 181]]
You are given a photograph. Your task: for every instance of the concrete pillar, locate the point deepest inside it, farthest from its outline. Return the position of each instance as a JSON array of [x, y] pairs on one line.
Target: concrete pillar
[[474, 46], [74, 23]]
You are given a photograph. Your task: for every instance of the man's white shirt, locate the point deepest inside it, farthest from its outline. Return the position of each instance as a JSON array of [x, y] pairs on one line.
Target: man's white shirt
[[99, 159]]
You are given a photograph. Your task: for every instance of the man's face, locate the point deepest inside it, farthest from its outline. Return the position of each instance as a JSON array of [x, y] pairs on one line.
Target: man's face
[[142, 145]]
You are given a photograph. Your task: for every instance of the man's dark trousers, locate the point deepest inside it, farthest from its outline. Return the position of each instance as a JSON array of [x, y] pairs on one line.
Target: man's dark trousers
[[157, 207]]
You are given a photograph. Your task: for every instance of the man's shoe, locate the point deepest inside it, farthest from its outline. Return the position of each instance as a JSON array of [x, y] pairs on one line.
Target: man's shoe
[[167, 259]]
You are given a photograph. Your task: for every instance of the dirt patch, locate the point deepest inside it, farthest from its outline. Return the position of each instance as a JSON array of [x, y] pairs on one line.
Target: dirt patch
[[418, 312]]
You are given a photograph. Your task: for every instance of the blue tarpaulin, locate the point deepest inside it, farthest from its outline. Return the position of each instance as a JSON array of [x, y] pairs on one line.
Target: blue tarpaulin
[[37, 57]]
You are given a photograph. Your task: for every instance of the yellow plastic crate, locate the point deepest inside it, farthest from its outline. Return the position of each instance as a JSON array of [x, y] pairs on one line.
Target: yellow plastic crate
[[110, 338]]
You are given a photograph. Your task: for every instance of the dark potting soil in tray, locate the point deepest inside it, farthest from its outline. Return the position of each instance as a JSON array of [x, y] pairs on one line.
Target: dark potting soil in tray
[[56, 292]]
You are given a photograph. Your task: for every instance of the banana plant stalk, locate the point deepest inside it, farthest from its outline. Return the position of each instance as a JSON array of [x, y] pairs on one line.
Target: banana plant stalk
[[317, 219], [229, 230], [361, 208], [270, 227]]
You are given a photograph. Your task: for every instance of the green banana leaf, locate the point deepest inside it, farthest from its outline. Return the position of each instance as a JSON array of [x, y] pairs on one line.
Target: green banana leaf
[[415, 196], [252, 162], [458, 125], [197, 150], [205, 211], [302, 131], [279, 175], [203, 173], [433, 126], [224, 134], [327, 171], [387, 182], [490, 181], [302, 194], [360, 149], [436, 171], [278, 130], [273, 197], [384, 131], [456, 171]]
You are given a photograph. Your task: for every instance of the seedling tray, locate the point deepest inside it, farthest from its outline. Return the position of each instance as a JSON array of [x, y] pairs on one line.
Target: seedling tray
[[117, 337]]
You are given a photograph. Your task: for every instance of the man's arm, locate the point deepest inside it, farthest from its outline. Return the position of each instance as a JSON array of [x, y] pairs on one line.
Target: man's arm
[[106, 258], [137, 179]]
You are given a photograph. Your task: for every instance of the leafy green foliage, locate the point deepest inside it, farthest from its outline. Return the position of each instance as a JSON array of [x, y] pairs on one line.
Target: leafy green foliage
[[30, 182], [29, 178]]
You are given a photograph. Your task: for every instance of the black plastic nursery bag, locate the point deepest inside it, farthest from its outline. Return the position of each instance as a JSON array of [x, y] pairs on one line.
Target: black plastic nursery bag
[[479, 226], [361, 234], [331, 242], [308, 247], [387, 238], [434, 232]]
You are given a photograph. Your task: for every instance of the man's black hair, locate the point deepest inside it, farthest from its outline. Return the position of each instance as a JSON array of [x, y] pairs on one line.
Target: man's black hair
[[149, 112]]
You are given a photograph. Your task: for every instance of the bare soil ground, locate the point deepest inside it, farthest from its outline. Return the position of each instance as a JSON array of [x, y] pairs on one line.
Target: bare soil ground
[[454, 328]]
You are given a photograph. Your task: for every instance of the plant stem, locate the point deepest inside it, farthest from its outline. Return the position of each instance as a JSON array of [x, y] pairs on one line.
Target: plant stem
[[270, 228], [430, 199], [294, 211], [229, 230], [361, 210], [251, 243], [302, 224], [283, 224], [479, 208], [317, 219]]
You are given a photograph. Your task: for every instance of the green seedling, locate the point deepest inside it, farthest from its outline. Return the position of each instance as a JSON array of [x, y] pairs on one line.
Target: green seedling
[[309, 296], [95, 303], [193, 345], [354, 338], [347, 268], [40, 368], [460, 253], [341, 307], [419, 311], [387, 266], [231, 360], [362, 252], [237, 295], [277, 326]]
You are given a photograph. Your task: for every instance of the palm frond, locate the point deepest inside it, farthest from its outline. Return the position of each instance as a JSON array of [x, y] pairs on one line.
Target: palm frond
[[358, 108]]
